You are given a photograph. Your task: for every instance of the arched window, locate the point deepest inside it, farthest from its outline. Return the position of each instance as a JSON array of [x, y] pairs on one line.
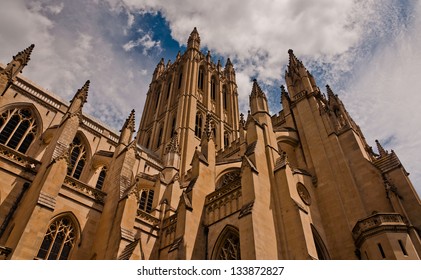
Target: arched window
[[146, 200], [59, 240], [224, 97], [77, 158], [213, 88], [228, 245], [198, 125], [101, 178], [201, 78], [18, 128]]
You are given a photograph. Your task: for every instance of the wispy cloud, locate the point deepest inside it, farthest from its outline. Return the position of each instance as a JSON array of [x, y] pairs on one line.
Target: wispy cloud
[[146, 43]]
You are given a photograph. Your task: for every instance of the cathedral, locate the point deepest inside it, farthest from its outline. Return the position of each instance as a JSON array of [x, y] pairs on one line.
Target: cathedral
[[197, 179]]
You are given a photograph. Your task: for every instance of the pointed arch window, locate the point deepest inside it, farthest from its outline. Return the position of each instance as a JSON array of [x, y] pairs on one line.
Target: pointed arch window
[[59, 240], [101, 178], [77, 158], [18, 128], [198, 125], [213, 88], [228, 245], [146, 200], [201, 77]]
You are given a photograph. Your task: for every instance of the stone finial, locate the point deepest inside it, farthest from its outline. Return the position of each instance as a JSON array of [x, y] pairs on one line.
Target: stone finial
[[194, 39], [24, 56], [130, 121], [228, 63], [178, 55], [242, 121], [382, 151], [256, 91], [294, 64], [82, 93]]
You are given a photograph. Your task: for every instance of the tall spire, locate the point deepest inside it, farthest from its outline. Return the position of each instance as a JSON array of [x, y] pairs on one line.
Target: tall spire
[[19, 61], [294, 64], [79, 99], [194, 40], [127, 129], [82, 93], [382, 151], [130, 121], [24, 56]]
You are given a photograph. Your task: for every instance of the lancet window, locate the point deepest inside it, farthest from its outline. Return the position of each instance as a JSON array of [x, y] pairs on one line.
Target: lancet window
[[77, 158]]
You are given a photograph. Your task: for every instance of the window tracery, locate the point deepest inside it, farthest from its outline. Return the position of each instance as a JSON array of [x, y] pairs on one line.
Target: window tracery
[[59, 240], [146, 200], [228, 245], [77, 158], [18, 128]]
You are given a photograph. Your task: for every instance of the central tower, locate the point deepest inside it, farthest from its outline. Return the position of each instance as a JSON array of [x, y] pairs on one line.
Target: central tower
[[180, 97]]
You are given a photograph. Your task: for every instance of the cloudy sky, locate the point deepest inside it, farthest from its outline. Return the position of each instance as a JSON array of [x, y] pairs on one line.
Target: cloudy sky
[[368, 51]]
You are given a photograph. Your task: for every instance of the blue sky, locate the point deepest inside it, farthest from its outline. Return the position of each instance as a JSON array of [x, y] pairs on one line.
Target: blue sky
[[369, 52]]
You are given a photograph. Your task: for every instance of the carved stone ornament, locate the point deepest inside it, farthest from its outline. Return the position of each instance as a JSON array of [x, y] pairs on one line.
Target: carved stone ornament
[[303, 193]]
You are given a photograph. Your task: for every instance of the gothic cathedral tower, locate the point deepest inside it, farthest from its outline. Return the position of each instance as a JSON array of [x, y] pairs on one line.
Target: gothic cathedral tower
[[180, 96]]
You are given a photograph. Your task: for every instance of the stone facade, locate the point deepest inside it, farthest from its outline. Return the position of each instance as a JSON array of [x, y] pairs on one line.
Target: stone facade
[[199, 180]]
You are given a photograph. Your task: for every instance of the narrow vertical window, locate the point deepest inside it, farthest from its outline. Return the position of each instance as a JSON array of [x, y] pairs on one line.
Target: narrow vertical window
[[200, 78], [146, 200], [198, 125], [169, 88], [158, 93], [101, 178], [58, 241], [213, 88], [403, 247], [172, 127], [224, 97], [180, 78], [17, 129], [226, 140], [158, 143], [77, 158]]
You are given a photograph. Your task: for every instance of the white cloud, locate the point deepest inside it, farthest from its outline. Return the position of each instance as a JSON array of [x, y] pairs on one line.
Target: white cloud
[[146, 42]]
